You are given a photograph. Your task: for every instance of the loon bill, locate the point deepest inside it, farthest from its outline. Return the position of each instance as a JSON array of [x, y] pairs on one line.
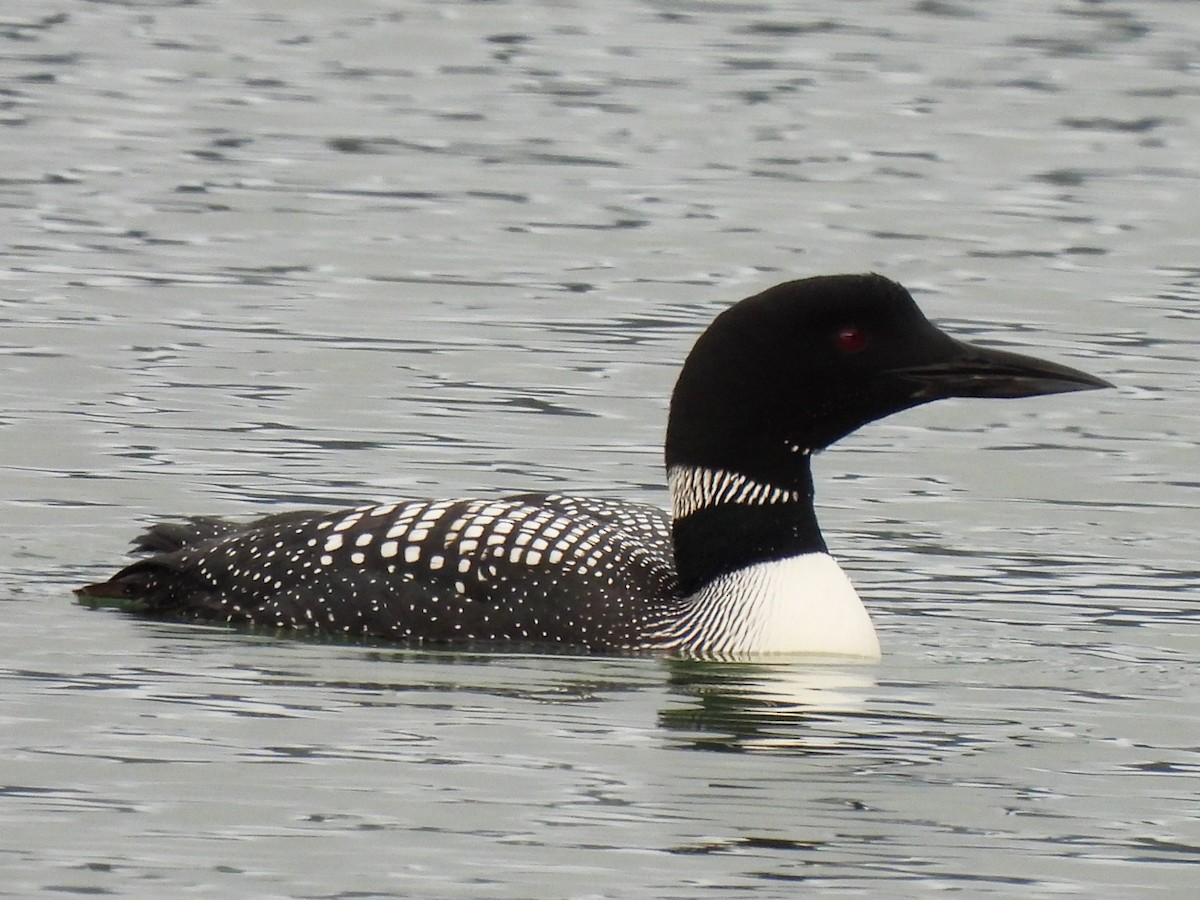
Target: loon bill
[[739, 567]]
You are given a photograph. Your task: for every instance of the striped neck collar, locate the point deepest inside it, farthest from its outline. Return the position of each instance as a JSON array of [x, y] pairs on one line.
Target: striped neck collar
[[694, 488]]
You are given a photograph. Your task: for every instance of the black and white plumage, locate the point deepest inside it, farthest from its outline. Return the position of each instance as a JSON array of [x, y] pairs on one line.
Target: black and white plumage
[[440, 571], [739, 567]]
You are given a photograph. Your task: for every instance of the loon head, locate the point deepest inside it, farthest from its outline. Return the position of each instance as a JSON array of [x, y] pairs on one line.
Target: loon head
[[787, 372]]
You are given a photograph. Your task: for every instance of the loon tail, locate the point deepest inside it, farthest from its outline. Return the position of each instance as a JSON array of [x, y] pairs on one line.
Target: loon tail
[[148, 583]]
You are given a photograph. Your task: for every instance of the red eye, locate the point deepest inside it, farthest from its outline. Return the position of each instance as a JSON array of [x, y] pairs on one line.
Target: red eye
[[851, 339]]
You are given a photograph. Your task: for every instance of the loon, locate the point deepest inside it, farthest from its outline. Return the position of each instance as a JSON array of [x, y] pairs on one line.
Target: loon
[[739, 567]]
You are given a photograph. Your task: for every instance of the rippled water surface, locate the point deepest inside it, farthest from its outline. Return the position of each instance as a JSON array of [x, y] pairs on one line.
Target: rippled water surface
[[275, 253]]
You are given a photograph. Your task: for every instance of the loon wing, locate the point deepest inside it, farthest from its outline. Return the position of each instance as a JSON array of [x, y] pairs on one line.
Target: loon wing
[[539, 568]]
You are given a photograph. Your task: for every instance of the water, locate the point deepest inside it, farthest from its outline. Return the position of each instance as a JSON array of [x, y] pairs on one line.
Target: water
[[269, 254]]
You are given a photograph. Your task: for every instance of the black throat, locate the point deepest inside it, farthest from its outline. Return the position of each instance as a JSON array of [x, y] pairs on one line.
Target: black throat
[[713, 539]]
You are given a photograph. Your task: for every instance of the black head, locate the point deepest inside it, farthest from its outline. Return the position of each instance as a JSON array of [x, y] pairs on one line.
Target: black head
[[791, 370]]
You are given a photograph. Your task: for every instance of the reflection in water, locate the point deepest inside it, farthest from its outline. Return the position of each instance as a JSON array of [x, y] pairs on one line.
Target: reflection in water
[[803, 708], [736, 707]]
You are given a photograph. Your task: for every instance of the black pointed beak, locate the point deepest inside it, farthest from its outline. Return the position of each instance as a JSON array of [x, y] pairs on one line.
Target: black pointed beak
[[971, 371]]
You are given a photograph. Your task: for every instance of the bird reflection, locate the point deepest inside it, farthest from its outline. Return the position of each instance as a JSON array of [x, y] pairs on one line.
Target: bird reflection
[[785, 706]]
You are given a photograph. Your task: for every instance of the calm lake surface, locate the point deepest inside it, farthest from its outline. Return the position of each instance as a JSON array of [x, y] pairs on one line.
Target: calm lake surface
[[266, 254]]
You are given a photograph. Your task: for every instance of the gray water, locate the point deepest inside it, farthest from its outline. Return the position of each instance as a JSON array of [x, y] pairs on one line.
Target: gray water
[[267, 254]]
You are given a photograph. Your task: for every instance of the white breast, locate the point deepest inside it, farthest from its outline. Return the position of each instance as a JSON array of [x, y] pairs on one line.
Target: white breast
[[803, 604]]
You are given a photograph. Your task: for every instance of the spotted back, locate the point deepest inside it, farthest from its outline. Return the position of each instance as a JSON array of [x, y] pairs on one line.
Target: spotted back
[[532, 568]]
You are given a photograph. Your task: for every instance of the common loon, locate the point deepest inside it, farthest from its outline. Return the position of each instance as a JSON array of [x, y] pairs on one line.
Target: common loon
[[740, 567]]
